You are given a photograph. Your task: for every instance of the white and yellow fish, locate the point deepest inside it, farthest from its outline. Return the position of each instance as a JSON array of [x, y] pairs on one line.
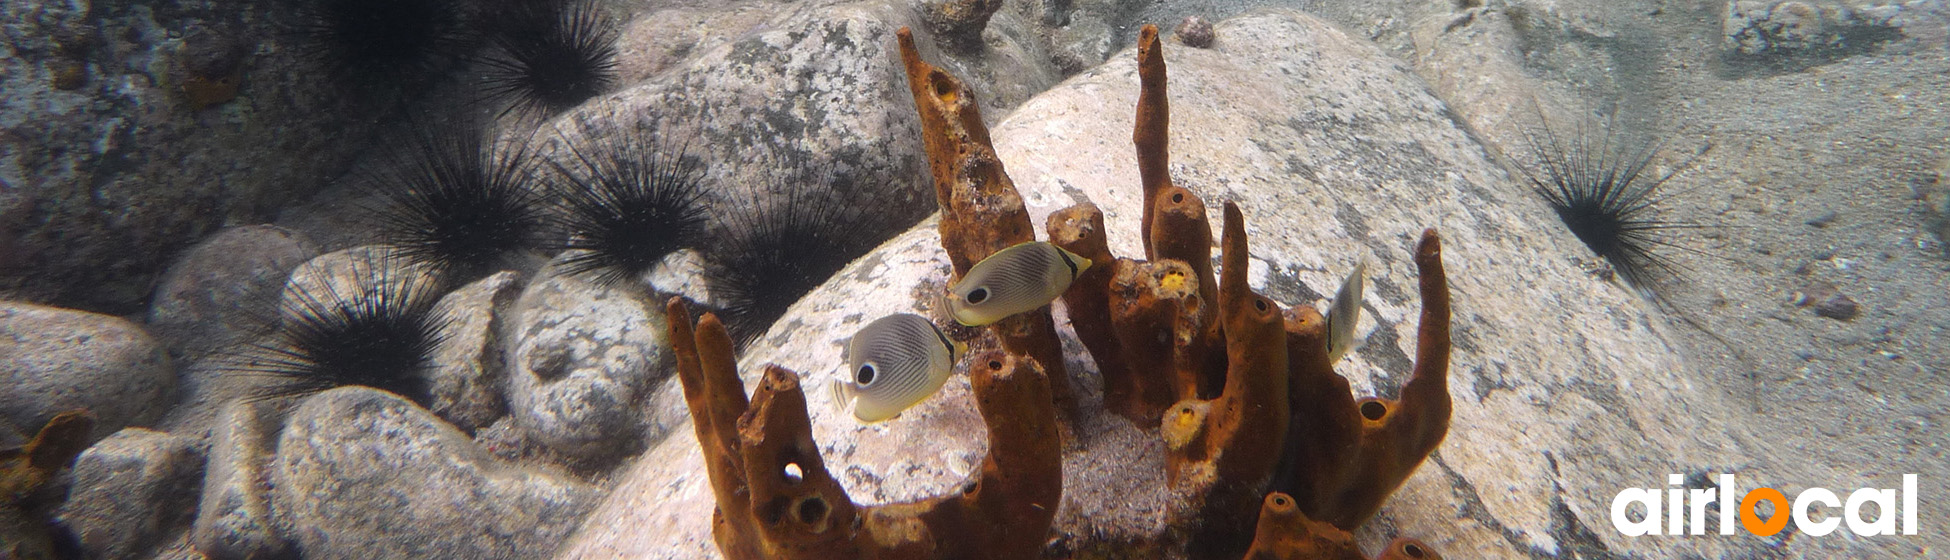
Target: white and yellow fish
[[894, 363], [1345, 312], [1014, 280]]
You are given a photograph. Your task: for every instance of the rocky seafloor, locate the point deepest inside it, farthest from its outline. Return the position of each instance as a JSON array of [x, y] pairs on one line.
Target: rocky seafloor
[[135, 223]]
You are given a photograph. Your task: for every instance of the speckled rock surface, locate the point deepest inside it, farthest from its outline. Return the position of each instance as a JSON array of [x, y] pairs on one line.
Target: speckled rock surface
[[131, 490], [363, 474], [206, 299], [814, 92], [467, 372], [1778, 28], [1820, 180], [233, 518], [112, 168], [1336, 152], [581, 358], [209, 383], [60, 359]]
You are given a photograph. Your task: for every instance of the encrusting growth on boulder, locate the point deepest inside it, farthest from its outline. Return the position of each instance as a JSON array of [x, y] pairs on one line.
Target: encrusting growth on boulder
[[1268, 454], [776, 499]]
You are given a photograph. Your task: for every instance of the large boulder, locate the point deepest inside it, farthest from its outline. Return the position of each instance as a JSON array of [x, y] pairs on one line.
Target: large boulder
[[466, 375], [120, 152], [1336, 152], [217, 293], [362, 474], [812, 92], [131, 491], [233, 517], [581, 359], [62, 359]]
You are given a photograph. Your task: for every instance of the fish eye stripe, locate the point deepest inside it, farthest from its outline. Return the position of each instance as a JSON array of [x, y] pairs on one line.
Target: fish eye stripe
[[1061, 254], [945, 343]]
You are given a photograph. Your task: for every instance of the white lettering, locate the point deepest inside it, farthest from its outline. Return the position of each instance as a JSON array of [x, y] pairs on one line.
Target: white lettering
[[1885, 501], [1810, 497], [1621, 504]]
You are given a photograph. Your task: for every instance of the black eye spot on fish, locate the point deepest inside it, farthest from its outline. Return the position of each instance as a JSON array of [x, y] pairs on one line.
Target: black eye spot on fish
[[866, 375], [978, 295]]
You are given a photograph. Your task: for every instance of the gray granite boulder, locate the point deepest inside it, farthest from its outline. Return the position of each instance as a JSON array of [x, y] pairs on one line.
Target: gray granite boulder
[[131, 491], [581, 358], [218, 378], [60, 359], [1336, 152], [118, 156], [805, 91], [466, 375], [363, 474], [233, 518], [218, 293]]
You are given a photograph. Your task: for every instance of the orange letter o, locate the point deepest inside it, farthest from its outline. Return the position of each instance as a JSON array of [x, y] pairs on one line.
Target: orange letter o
[[1750, 518]]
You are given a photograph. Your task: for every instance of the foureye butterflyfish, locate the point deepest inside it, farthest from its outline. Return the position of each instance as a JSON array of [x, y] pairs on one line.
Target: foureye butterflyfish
[[1014, 280], [1345, 312], [894, 363]]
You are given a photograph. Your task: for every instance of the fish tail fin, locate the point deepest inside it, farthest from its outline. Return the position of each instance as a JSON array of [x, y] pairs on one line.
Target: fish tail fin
[[841, 394]]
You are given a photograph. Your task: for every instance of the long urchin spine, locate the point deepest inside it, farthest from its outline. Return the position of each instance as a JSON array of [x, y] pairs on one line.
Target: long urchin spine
[[550, 56], [457, 204], [379, 331], [379, 45], [1604, 196], [625, 204], [772, 254]]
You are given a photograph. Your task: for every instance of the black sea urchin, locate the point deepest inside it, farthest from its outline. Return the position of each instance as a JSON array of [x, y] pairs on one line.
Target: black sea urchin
[[550, 56], [1603, 194], [772, 254], [375, 326], [626, 204], [382, 44], [456, 204]]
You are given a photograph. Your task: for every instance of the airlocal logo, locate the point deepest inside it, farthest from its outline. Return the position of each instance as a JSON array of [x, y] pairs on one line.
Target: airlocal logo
[[1685, 510]]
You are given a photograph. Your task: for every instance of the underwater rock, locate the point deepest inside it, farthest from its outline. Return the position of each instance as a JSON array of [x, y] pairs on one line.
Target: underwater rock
[[815, 88], [1194, 32], [1082, 43], [467, 372], [581, 358], [1775, 27], [1334, 151], [363, 474], [120, 172], [233, 518], [206, 298], [62, 359], [131, 490]]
